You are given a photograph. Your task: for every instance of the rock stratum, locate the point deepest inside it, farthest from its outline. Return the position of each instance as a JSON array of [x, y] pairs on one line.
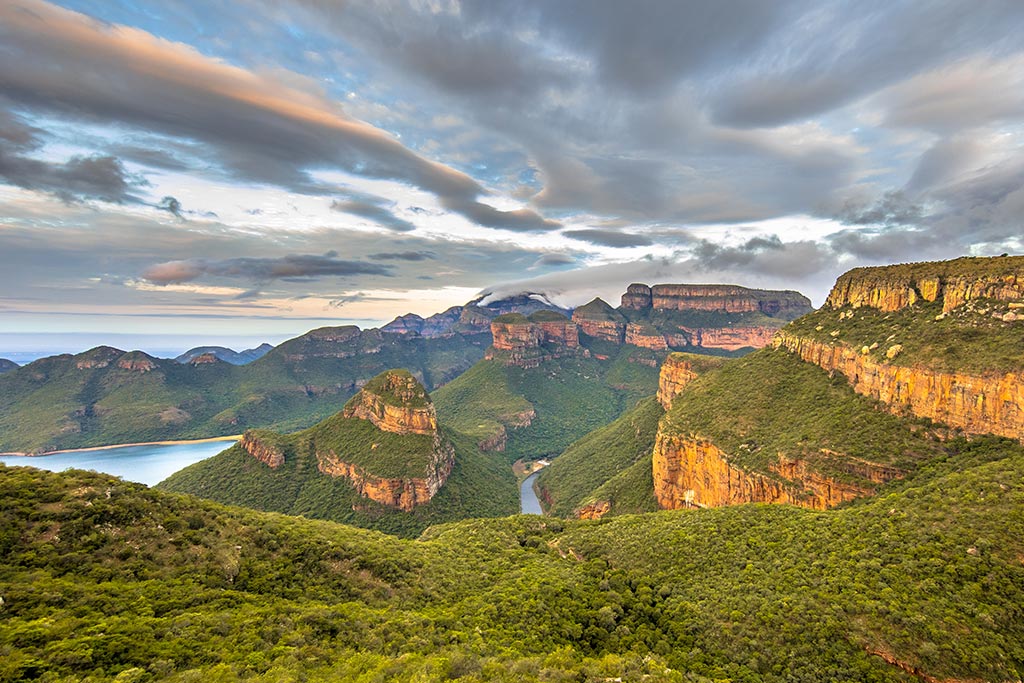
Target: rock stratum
[[528, 341]]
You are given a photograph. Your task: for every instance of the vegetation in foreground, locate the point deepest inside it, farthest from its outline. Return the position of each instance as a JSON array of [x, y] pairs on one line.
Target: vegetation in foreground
[[103, 579]]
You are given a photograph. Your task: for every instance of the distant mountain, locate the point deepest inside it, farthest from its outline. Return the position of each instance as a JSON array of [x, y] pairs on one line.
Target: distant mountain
[[7, 365], [96, 398], [225, 354], [383, 462]]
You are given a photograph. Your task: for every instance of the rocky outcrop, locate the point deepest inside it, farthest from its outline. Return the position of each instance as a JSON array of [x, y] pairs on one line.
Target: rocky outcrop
[[730, 338], [690, 471], [528, 341], [676, 373], [594, 510], [136, 362], [268, 453], [402, 493], [890, 288], [718, 298], [205, 359], [645, 336], [598, 319], [977, 404], [394, 402]]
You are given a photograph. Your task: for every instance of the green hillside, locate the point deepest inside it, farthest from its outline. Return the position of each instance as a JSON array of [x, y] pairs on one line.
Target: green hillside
[[569, 396], [90, 400], [105, 579], [602, 455]]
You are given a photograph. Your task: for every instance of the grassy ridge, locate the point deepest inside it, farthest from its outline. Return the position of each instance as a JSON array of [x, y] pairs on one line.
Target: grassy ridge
[[102, 578]]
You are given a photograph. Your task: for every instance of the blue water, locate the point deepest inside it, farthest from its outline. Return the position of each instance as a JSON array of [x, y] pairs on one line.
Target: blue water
[[145, 464], [528, 503]]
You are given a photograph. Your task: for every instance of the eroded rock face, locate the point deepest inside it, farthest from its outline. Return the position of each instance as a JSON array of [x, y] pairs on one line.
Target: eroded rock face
[[643, 336], [693, 472], [721, 298], [598, 319], [402, 493], [890, 288], [527, 342], [977, 404], [676, 373], [264, 451], [399, 404], [731, 338]]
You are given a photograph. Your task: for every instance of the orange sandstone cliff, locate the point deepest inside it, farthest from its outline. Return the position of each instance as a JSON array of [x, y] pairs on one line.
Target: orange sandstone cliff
[[676, 373], [527, 341]]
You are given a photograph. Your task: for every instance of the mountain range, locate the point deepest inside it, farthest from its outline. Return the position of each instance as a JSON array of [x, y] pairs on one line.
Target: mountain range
[[107, 396]]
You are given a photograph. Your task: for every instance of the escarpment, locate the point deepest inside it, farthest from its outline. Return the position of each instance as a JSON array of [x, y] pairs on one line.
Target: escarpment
[[978, 404], [723, 298], [690, 471], [891, 288], [936, 340]]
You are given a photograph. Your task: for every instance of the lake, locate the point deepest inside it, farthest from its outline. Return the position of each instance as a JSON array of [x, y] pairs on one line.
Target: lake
[[144, 464]]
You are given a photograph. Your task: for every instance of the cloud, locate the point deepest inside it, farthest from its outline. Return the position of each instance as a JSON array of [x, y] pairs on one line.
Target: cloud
[[172, 206], [609, 238], [376, 213], [403, 256], [555, 260], [263, 128], [892, 208], [262, 269]]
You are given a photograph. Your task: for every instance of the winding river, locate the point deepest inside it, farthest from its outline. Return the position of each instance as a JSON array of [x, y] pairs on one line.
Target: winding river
[[146, 464], [528, 503]]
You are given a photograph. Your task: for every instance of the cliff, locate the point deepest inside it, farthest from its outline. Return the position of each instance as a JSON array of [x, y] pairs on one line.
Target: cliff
[[396, 402], [717, 298], [676, 373], [528, 341], [263, 448], [403, 493], [690, 471], [891, 288], [978, 404]]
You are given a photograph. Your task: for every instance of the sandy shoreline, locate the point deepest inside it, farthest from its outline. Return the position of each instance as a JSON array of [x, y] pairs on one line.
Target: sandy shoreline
[[212, 439]]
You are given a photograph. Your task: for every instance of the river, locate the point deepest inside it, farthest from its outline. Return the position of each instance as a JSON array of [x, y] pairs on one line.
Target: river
[[528, 503], [148, 464]]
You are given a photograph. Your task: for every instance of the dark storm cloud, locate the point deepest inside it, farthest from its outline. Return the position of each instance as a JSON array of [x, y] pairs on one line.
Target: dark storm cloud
[[378, 214], [171, 206], [609, 238], [260, 128], [288, 268]]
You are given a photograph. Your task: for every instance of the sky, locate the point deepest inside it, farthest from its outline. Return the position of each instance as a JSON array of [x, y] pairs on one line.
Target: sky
[[178, 173]]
